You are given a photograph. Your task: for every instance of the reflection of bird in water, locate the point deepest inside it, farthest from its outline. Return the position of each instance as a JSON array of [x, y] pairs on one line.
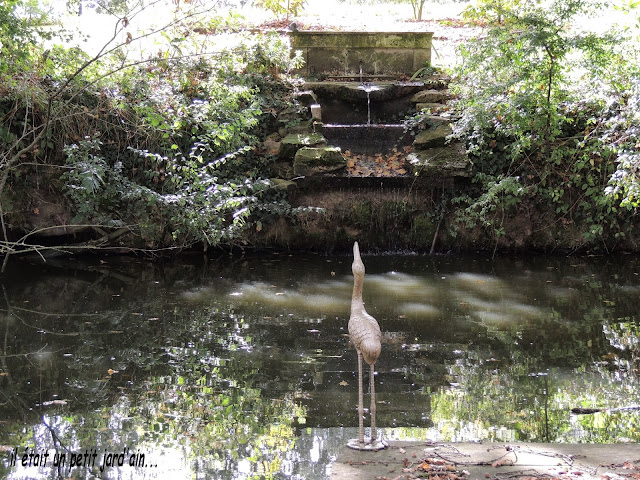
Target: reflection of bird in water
[[365, 335]]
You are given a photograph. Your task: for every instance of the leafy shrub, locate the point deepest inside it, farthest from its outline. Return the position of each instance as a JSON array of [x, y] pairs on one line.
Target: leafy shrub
[[535, 97], [188, 173], [17, 34], [621, 133]]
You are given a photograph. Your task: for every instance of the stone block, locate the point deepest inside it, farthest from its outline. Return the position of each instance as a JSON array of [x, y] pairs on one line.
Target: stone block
[[432, 137], [295, 141], [430, 96], [311, 161], [448, 161], [316, 112], [302, 127]]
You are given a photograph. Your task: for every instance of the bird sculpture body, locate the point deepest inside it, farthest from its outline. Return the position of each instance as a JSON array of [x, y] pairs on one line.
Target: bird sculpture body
[[365, 334]]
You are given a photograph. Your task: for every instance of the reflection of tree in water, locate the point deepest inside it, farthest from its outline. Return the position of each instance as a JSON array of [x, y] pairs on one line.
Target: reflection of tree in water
[[624, 336], [165, 377], [526, 393]]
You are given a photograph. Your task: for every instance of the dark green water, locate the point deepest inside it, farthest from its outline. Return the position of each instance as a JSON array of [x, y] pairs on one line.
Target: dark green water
[[240, 367]]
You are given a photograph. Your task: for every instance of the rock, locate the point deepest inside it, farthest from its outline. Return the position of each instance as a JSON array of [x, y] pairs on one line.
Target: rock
[[306, 97], [289, 115], [295, 141], [311, 161], [433, 137], [448, 161], [284, 169], [303, 126], [435, 120], [284, 185], [271, 144], [430, 96], [294, 120], [429, 106]]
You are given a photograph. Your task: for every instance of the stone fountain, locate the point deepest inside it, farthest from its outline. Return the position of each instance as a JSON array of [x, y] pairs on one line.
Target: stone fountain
[[347, 150], [358, 89]]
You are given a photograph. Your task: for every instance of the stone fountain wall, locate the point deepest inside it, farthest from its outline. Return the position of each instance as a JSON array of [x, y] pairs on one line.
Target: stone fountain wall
[[350, 54], [320, 146]]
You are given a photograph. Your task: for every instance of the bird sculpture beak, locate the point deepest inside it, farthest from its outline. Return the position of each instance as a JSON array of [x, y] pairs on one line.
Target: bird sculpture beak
[[357, 267]]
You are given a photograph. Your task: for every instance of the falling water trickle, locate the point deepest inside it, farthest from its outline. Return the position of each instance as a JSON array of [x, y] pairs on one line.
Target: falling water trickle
[[368, 88]]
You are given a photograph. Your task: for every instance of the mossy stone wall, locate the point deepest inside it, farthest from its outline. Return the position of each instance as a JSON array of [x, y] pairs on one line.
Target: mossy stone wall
[[378, 53]]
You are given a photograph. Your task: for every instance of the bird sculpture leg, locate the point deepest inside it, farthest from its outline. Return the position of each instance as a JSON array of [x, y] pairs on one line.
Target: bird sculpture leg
[[373, 404], [360, 401]]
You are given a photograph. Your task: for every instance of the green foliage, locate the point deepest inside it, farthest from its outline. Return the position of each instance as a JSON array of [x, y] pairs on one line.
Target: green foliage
[[490, 11], [621, 135], [423, 72], [188, 173], [535, 96], [500, 195], [518, 80], [160, 144], [280, 7], [17, 35], [101, 192]]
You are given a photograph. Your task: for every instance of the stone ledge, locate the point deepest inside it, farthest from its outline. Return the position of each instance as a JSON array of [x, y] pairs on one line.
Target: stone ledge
[[493, 460]]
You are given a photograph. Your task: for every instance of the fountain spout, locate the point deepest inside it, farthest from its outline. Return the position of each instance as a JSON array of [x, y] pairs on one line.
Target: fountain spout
[[360, 62]]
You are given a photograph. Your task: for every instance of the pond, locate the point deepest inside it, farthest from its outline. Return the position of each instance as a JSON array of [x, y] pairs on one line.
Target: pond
[[239, 367]]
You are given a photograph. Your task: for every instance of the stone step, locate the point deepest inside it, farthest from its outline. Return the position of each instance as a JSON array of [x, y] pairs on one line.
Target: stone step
[[310, 161]]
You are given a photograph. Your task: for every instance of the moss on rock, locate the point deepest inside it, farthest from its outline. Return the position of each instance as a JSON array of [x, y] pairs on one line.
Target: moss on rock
[[315, 161]]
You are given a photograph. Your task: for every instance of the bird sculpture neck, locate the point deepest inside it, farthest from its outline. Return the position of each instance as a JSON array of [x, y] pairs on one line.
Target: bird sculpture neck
[[357, 305]]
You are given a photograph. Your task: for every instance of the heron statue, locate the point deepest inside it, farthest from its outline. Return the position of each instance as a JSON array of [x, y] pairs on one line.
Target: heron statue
[[365, 334]]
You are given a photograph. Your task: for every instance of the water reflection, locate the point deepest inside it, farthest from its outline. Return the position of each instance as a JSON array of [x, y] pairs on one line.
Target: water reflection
[[240, 368]]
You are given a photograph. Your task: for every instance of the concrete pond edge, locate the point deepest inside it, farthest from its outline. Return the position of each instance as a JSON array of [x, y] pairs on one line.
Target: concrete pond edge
[[457, 461]]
